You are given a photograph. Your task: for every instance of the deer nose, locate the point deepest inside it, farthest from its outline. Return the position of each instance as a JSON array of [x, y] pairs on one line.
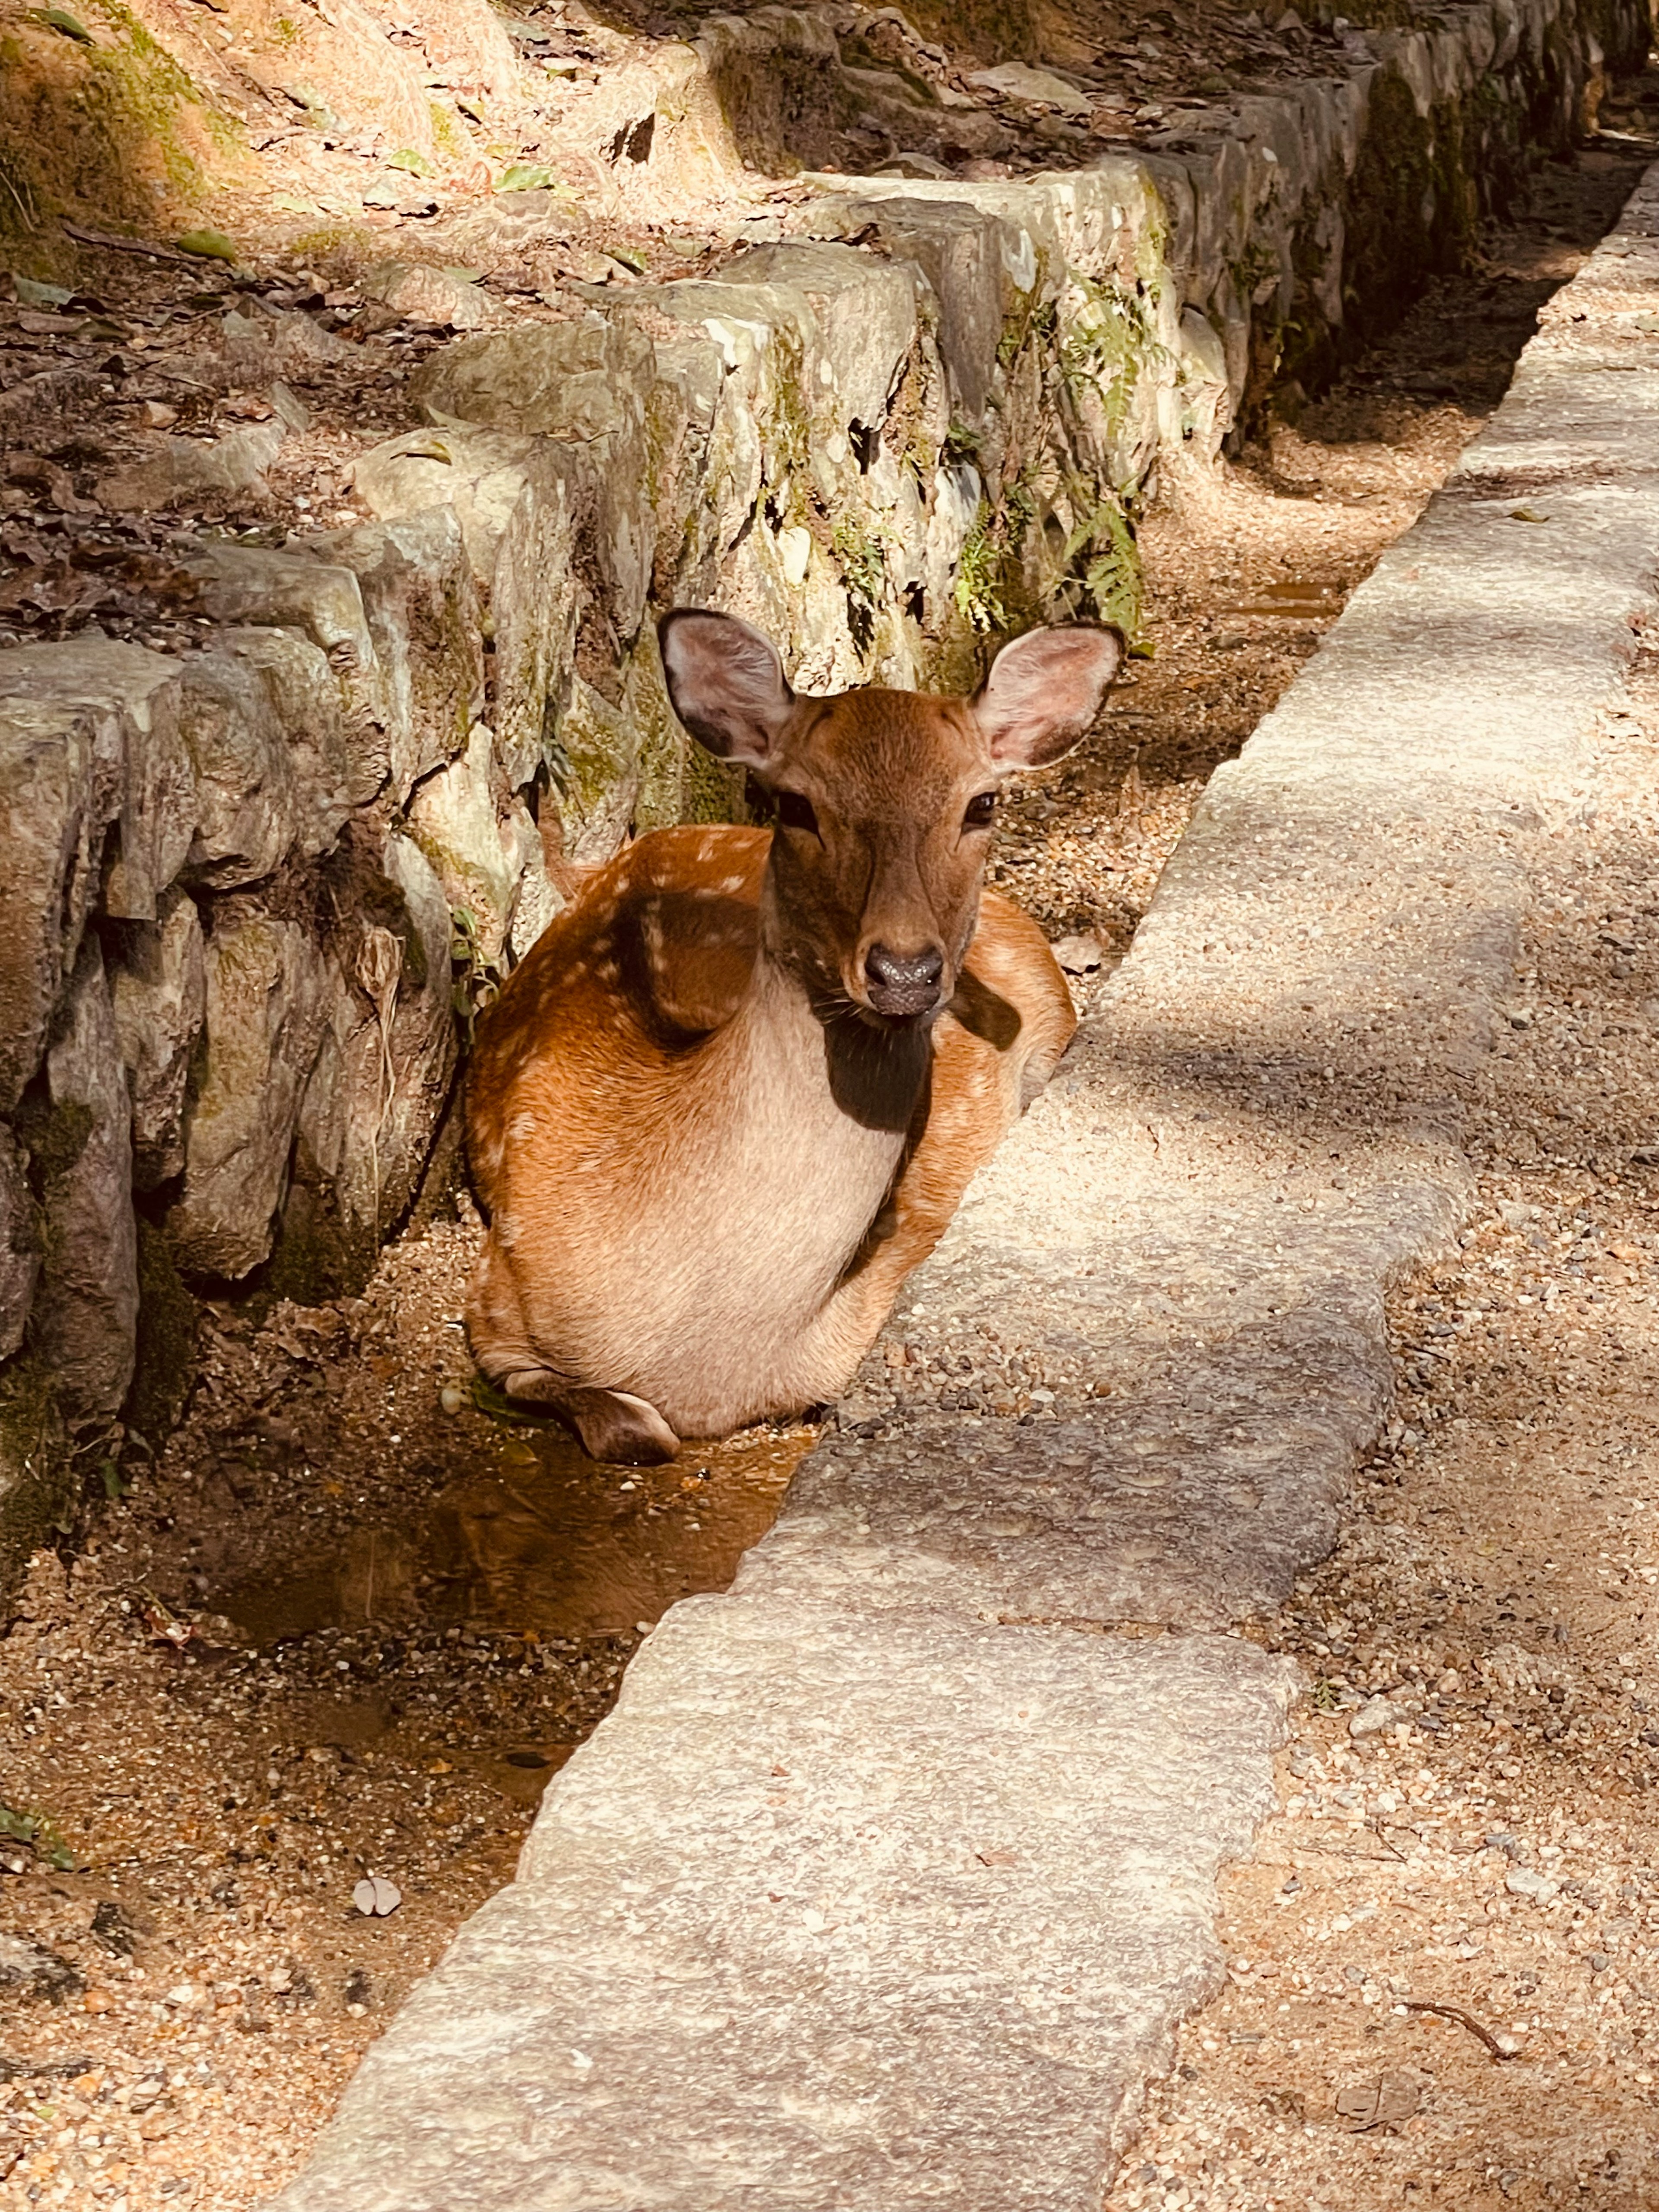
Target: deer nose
[[907, 984]]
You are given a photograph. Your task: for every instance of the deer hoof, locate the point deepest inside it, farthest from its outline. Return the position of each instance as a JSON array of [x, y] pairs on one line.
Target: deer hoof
[[616, 1426]]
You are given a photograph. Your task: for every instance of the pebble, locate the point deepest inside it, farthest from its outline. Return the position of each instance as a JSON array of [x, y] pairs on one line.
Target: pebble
[[1079, 954], [1526, 1881], [377, 1897], [1374, 1716]]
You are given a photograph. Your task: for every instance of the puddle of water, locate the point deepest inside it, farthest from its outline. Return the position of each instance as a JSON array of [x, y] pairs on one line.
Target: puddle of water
[[1291, 601], [542, 1537]]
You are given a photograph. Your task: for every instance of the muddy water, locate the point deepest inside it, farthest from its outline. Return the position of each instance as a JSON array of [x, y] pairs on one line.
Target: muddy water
[[540, 1537]]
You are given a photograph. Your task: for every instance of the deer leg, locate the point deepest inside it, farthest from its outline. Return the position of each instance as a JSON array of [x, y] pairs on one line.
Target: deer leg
[[611, 1425]]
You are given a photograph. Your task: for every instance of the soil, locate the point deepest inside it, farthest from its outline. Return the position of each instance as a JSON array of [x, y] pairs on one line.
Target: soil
[[1444, 1953], [350, 1621]]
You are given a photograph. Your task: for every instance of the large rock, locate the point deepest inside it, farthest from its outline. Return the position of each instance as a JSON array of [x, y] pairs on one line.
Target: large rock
[[331, 774], [518, 525], [965, 253], [453, 819], [267, 992], [380, 1080], [421, 606], [85, 1307], [863, 323], [596, 773], [181, 472], [319, 598], [159, 989], [575, 381], [431, 298], [245, 813], [88, 740]]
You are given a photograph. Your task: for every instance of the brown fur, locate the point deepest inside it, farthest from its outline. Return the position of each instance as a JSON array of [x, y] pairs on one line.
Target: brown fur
[[710, 1161]]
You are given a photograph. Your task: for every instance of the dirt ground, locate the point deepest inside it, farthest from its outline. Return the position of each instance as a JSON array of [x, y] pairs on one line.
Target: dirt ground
[[349, 1624], [1484, 1838]]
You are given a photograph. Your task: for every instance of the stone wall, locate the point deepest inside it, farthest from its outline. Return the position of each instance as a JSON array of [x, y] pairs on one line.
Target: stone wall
[[253, 895]]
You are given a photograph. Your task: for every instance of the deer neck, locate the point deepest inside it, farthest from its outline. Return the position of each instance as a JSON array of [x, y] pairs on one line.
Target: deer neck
[[872, 1079]]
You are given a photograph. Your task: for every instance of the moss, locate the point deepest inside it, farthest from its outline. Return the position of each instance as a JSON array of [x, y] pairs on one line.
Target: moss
[[166, 1364], [713, 792], [56, 1136], [333, 248], [35, 1474], [446, 134], [317, 1253], [102, 126]]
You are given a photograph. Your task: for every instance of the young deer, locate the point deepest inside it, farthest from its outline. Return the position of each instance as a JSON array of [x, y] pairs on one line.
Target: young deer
[[734, 1094]]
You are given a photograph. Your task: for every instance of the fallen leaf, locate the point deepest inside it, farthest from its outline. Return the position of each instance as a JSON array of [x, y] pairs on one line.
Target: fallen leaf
[[1527, 514], [375, 1897], [167, 1625], [526, 177], [59, 19], [1392, 2098], [209, 245]]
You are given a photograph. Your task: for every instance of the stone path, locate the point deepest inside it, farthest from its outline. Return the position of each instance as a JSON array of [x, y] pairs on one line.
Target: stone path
[[893, 1871]]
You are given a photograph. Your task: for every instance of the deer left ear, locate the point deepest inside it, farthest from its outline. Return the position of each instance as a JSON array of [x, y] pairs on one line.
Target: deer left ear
[[1043, 691]]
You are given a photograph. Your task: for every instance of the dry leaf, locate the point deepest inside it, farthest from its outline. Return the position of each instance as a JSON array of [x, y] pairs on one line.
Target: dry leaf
[[1381, 2103]]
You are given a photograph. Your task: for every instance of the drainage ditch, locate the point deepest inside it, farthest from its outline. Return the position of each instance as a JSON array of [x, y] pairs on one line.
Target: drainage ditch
[[380, 1675]]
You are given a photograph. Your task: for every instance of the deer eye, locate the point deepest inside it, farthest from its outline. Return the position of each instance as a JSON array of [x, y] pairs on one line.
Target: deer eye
[[795, 812], [981, 811]]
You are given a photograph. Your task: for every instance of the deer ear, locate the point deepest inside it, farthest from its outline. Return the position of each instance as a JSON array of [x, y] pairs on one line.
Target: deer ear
[[726, 682], [1043, 691]]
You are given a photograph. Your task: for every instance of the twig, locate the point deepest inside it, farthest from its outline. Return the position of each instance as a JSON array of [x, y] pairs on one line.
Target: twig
[[126, 245], [1463, 2019]]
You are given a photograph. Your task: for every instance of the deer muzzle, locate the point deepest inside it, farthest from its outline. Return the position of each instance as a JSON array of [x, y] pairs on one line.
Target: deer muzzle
[[901, 986]]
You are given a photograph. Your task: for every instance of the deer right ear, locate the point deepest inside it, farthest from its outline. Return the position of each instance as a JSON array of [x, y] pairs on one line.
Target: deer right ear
[[726, 682]]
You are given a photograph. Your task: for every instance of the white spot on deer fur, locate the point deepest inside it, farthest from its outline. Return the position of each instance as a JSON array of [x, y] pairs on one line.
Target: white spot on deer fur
[[730, 884], [506, 1231], [521, 1126]]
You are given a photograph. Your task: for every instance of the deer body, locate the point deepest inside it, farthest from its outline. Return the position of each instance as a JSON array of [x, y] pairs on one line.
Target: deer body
[[715, 1116]]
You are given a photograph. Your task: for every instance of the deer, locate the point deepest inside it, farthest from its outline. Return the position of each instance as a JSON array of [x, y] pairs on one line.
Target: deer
[[734, 1094]]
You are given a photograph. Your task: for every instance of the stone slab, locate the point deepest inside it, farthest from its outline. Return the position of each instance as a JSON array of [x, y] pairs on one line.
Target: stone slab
[[831, 1912]]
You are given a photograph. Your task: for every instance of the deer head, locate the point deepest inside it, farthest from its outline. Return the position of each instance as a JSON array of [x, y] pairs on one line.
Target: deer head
[[886, 799]]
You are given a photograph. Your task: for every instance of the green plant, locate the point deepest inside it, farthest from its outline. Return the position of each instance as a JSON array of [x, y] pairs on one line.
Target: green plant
[[864, 575], [1102, 555], [41, 1834], [477, 980], [978, 587]]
